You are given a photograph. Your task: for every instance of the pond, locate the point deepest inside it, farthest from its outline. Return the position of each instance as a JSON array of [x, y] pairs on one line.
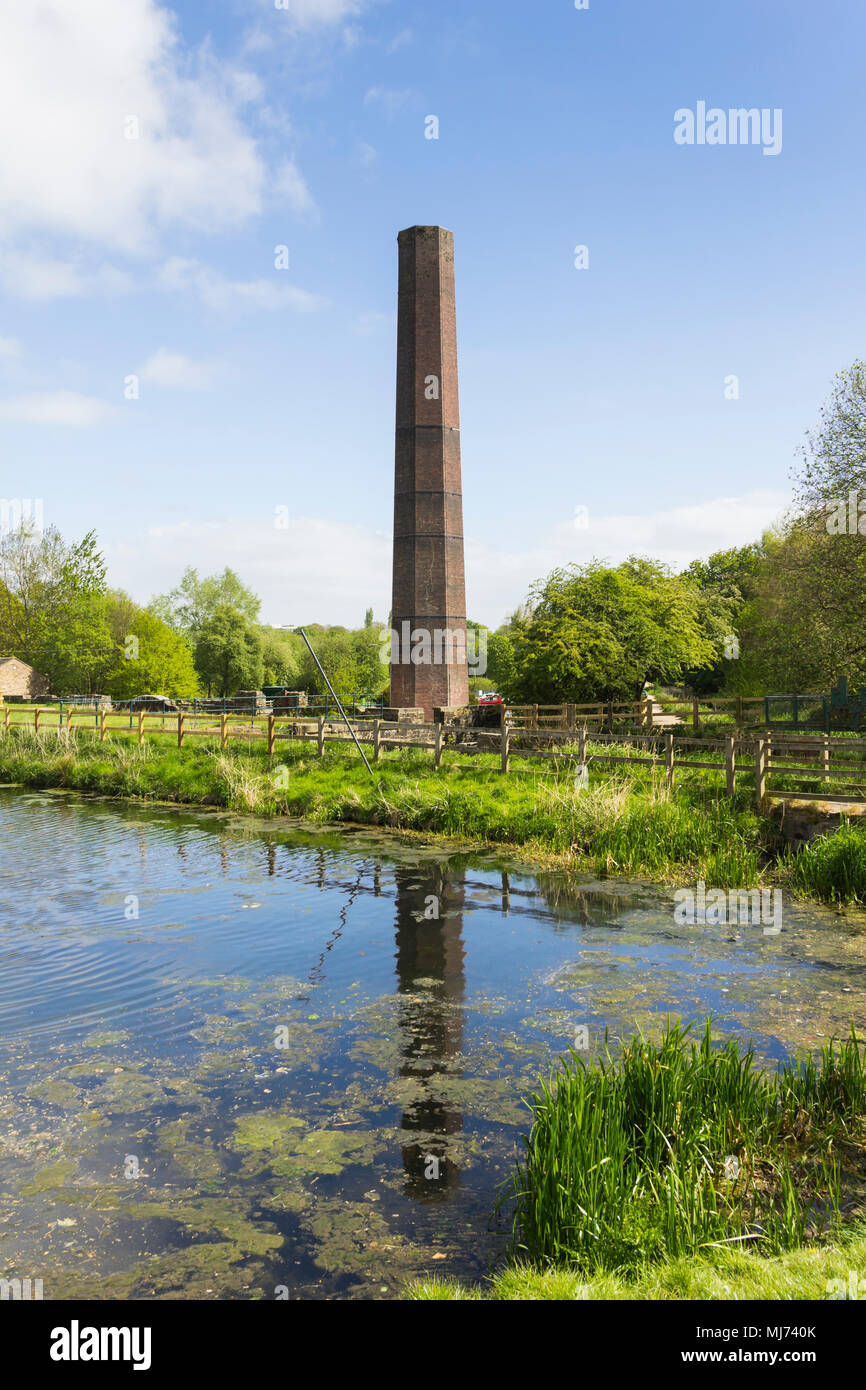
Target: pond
[[246, 1059]]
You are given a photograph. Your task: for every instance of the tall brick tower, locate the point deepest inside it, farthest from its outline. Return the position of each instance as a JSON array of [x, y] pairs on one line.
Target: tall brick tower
[[429, 592]]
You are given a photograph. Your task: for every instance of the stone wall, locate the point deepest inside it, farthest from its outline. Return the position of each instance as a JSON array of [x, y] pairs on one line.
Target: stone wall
[[19, 680]]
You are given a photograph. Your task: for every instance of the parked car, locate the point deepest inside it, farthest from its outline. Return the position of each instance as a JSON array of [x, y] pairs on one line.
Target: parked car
[[155, 704], [490, 697]]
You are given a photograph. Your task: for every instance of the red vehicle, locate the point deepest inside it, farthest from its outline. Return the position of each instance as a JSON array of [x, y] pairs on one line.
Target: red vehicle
[[490, 697]]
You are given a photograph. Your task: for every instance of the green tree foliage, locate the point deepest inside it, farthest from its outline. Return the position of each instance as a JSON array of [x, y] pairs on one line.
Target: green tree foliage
[[729, 582], [804, 623], [833, 457], [597, 633], [46, 585], [351, 661], [154, 659], [282, 653], [192, 604], [228, 653], [107, 644]]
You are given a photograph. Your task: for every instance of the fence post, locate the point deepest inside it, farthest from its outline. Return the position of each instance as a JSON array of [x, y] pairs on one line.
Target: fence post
[[730, 763], [224, 725], [36, 714], [102, 726], [376, 746], [140, 727], [180, 719], [271, 735], [581, 746], [505, 745], [696, 714], [570, 717], [5, 719], [825, 759], [610, 716], [437, 756], [669, 759], [321, 737], [649, 713], [760, 772], [739, 714], [534, 717], [68, 717]]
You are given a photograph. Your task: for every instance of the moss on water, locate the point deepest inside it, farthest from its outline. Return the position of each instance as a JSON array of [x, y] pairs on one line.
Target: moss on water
[[265, 1131], [52, 1178]]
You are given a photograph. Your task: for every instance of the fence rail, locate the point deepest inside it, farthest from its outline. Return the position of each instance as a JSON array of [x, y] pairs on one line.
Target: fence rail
[[818, 760]]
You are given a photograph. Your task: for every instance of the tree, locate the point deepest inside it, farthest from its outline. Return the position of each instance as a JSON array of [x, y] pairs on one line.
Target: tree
[[729, 582], [351, 661], [150, 657], [42, 579], [228, 653], [833, 457], [194, 601], [597, 633], [281, 655], [77, 651]]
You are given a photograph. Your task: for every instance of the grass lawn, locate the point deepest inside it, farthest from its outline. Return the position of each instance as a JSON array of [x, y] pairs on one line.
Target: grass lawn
[[624, 824]]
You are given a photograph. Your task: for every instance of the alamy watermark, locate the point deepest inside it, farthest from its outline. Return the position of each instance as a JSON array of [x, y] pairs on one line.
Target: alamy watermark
[[20, 1290], [421, 646], [758, 907], [18, 511], [846, 518], [736, 126]]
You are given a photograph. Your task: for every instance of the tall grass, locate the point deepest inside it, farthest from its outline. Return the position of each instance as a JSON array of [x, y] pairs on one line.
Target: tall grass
[[832, 867], [626, 823], [679, 1147]]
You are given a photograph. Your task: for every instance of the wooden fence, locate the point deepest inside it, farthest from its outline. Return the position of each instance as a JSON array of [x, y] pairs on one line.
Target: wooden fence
[[820, 758], [647, 713]]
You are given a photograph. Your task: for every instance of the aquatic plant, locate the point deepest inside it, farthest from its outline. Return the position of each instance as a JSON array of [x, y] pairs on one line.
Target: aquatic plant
[[832, 867], [678, 1147]]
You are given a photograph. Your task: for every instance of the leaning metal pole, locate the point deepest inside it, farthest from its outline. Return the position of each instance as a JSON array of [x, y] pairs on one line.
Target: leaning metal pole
[[301, 633]]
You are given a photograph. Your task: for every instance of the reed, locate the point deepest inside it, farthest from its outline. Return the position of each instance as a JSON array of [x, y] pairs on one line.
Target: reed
[[680, 1146]]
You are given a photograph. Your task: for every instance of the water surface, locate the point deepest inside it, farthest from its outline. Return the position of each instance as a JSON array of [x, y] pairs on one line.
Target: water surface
[[242, 1059]]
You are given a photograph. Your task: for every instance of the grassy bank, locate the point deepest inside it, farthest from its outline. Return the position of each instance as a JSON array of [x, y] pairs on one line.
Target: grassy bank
[[625, 824], [680, 1170], [809, 1273]]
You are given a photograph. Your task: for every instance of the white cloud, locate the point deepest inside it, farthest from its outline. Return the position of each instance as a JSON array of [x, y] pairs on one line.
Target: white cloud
[[391, 101], [399, 41], [289, 187], [367, 154], [40, 277], [10, 347], [165, 368], [497, 580], [67, 408], [312, 568], [307, 14], [331, 571], [71, 75], [373, 322], [217, 292]]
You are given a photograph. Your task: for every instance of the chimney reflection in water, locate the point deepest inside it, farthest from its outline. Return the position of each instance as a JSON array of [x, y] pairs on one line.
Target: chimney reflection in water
[[430, 974]]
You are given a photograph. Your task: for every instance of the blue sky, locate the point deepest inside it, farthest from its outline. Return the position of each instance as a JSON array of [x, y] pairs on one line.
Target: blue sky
[[263, 388]]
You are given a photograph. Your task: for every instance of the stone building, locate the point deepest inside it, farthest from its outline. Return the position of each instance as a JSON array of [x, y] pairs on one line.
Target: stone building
[[20, 681]]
